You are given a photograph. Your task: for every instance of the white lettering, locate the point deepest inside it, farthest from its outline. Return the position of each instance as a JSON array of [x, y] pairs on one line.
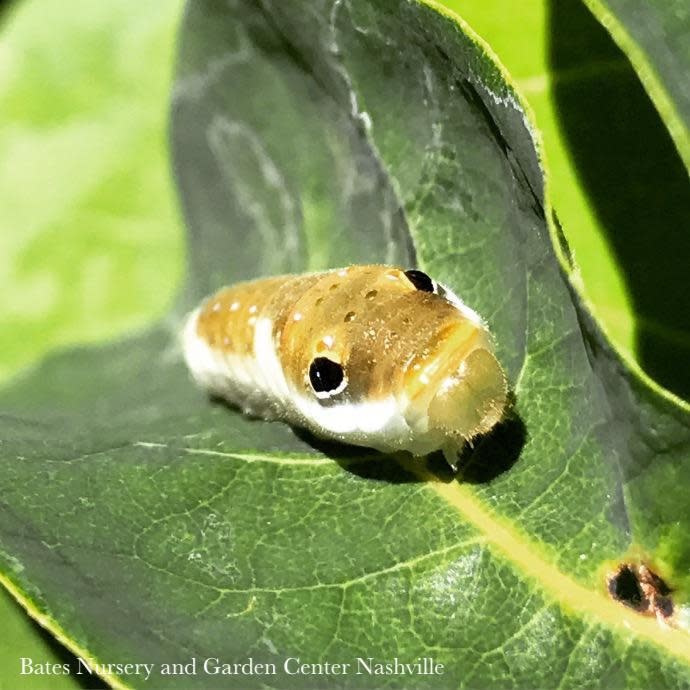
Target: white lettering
[[188, 669], [421, 667], [83, 667], [31, 668], [288, 665], [211, 666]]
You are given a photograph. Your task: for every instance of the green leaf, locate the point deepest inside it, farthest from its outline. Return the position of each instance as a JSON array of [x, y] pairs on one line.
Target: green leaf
[[84, 180], [22, 637], [656, 37], [141, 522], [85, 198], [622, 198]]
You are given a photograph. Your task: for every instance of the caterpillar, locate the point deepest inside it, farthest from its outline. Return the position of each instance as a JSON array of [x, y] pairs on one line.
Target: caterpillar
[[373, 356]]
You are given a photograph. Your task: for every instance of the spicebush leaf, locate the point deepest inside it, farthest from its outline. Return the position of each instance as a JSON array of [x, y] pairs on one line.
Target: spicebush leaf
[[656, 36], [622, 197], [636, 186], [145, 523]]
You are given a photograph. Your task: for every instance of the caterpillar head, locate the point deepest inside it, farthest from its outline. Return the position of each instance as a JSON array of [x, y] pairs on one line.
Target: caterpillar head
[[455, 390], [471, 399], [394, 360]]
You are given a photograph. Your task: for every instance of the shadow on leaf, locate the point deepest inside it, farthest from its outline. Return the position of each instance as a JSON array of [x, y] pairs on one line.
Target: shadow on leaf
[[637, 185], [363, 462], [489, 457]]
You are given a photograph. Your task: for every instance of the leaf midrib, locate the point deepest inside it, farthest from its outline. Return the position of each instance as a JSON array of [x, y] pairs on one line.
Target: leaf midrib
[[284, 459], [527, 557], [532, 561]]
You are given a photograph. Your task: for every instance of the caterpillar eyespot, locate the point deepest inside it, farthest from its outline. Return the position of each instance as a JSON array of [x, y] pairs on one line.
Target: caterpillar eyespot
[[327, 377], [368, 355]]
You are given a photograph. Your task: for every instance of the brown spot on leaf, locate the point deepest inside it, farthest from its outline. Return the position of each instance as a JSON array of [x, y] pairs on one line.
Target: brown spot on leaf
[[637, 586]]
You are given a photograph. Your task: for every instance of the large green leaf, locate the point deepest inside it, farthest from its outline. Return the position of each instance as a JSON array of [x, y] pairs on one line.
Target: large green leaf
[[643, 210], [140, 522], [22, 637], [623, 198], [83, 180]]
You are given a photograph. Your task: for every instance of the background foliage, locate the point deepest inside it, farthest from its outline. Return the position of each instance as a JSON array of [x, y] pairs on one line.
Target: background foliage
[[90, 240]]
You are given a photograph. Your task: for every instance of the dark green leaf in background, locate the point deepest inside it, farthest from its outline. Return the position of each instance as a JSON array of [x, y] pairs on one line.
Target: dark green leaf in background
[[622, 197], [144, 523], [637, 185], [656, 36]]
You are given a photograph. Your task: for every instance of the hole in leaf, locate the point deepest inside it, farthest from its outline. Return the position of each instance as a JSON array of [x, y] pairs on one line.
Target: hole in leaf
[[625, 587], [640, 588]]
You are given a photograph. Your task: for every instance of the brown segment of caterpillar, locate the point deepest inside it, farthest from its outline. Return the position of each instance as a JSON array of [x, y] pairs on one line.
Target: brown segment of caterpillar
[[369, 355]]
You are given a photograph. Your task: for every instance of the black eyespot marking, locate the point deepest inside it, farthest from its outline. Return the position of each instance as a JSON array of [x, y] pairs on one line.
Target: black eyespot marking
[[325, 376], [420, 280]]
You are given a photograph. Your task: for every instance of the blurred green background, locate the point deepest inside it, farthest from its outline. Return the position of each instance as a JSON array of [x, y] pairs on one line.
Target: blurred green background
[[91, 241], [90, 237]]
